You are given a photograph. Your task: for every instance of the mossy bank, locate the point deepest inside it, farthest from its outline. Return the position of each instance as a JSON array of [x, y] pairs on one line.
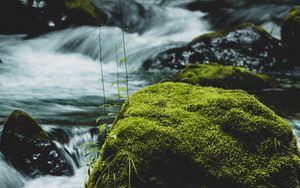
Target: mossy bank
[[227, 77], [179, 135]]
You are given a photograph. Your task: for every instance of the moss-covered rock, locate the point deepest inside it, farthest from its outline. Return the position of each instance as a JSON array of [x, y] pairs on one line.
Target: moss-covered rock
[[27, 146], [290, 34], [179, 135], [85, 5], [223, 76], [84, 12], [247, 46]]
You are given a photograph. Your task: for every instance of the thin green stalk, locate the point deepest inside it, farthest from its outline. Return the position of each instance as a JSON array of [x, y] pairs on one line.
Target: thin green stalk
[[101, 65], [118, 84], [124, 49], [115, 180], [129, 172]]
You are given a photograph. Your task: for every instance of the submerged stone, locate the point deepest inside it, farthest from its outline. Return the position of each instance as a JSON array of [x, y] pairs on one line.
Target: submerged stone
[[27, 146], [227, 77], [246, 46], [180, 135], [290, 34]]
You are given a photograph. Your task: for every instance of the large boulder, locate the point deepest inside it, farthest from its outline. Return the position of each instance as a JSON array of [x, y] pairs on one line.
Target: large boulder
[[290, 34], [246, 46], [227, 77], [180, 135], [27, 146]]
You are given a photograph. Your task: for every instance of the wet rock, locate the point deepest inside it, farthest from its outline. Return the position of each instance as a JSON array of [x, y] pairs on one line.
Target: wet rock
[[84, 12], [290, 34], [246, 46], [28, 147], [34, 17], [208, 6], [31, 16], [230, 13]]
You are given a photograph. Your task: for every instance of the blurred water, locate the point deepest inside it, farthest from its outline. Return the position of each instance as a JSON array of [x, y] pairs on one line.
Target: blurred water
[[56, 78], [59, 73]]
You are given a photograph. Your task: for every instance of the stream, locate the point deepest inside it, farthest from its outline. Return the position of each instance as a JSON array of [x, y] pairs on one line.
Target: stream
[[56, 78]]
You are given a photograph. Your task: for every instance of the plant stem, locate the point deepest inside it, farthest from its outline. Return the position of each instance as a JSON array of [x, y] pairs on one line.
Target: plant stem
[[101, 65], [129, 173], [124, 49], [118, 85]]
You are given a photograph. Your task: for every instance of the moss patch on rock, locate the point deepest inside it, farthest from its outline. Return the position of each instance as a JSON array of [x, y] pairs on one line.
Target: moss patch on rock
[[180, 135], [290, 34], [222, 76], [83, 10]]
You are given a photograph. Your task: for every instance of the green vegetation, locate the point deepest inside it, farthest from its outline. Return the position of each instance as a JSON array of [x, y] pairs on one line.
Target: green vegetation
[[293, 15], [124, 49], [209, 36], [222, 76], [179, 135]]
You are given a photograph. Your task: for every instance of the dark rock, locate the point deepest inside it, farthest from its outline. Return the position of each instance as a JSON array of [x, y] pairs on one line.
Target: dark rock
[[31, 16], [290, 34], [230, 13], [207, 6], [34, 17], [246, 46], [28, 147]]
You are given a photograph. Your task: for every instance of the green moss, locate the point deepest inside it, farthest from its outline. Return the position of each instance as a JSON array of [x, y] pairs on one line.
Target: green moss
[[222, 76], [85, 6], [179, 135], [293, 15], [209, 36]]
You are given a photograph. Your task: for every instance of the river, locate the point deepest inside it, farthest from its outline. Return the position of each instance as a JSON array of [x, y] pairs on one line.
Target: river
[[56, 78]]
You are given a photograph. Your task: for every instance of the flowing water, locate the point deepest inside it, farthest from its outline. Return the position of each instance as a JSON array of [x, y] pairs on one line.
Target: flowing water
[[56, 78]]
